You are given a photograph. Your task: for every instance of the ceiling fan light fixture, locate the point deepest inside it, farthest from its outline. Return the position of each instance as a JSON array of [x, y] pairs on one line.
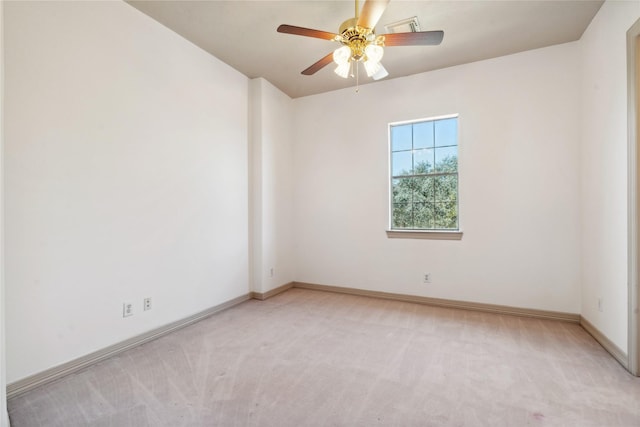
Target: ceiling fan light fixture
[[372, 67], [381, 73], [343, 69], [359, 42], [374, 55], [342, 55], [374, 52]]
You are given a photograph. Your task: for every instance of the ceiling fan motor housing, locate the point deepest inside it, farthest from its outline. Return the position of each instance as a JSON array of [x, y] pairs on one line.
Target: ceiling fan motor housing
[[356, 37]]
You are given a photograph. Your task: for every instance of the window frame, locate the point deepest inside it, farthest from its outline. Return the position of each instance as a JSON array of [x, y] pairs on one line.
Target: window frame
[[433, 234]]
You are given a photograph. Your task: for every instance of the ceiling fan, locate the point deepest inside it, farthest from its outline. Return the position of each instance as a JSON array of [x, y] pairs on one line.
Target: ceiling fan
[[360, 43]]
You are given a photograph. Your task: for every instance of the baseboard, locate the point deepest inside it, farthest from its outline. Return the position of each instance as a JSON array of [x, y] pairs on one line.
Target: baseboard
[[273, 292], [438, 302], [29, 383], [614, 350]]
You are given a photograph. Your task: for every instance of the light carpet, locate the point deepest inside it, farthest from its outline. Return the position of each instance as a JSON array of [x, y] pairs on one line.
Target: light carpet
[[310, 358]]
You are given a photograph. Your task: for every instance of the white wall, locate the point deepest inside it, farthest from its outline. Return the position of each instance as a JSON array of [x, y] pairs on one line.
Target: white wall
[[4, 416], [126, 177], [604, 168], [272, 186], [519, 184]]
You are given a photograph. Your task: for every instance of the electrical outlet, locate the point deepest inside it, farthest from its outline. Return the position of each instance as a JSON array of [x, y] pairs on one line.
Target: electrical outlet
[[146, 304], [600, 306], [271, 272], [426, 278], [127, 309]]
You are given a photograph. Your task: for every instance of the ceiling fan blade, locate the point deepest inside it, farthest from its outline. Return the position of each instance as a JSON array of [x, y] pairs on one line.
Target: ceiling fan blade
[[372, 10], [319, 65], [420, 38], [308, 32]]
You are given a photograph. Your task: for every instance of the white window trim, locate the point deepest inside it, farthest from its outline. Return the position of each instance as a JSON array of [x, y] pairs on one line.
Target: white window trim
[[406, 122], [425, 234], [418, 234]]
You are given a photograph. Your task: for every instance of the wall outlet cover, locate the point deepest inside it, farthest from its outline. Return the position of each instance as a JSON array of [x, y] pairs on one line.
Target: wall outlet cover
[[127, 309]]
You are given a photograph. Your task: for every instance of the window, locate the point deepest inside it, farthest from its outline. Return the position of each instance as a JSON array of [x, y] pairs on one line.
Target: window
[[424, 175]]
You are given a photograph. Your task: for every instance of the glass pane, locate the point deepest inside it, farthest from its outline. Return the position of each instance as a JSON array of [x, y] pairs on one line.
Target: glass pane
[[423, 189], [446, 188], [446, 159], [402, 215], [422, 161], [446, 215], [423, 215], [423, 135], [401, 163], [402, 190], [400, 137], [446, 132]]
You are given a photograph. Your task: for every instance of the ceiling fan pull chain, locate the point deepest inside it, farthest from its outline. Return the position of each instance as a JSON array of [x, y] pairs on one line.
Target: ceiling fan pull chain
[[357, 76]]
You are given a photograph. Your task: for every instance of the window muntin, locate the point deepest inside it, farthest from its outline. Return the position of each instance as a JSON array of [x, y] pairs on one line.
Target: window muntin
[[424, 174]]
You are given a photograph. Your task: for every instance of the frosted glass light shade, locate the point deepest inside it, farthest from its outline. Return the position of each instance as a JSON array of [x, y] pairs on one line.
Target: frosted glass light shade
[[343, 70], [381, 73], [374, 52], [342, 55], [371, 67]]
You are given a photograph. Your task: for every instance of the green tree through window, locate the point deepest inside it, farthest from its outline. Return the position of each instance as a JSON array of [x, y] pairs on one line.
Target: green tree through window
[[424, 175]]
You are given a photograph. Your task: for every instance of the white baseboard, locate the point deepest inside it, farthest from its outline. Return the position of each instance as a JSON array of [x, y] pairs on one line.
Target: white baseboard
[[272, 293], [29, 383], [439, 302], [614, 350]]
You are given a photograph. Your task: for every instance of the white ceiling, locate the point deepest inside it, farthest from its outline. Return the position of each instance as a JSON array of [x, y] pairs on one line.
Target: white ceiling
[[243, 33]]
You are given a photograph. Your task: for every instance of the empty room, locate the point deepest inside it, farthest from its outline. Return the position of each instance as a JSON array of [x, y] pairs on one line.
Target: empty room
[[319, 213]]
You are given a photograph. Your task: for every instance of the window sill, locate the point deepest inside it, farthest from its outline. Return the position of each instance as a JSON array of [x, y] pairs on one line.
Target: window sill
[[424, 234]]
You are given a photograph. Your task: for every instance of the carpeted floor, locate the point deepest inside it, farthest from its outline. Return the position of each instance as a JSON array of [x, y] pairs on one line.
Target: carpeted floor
[[309, 358]]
